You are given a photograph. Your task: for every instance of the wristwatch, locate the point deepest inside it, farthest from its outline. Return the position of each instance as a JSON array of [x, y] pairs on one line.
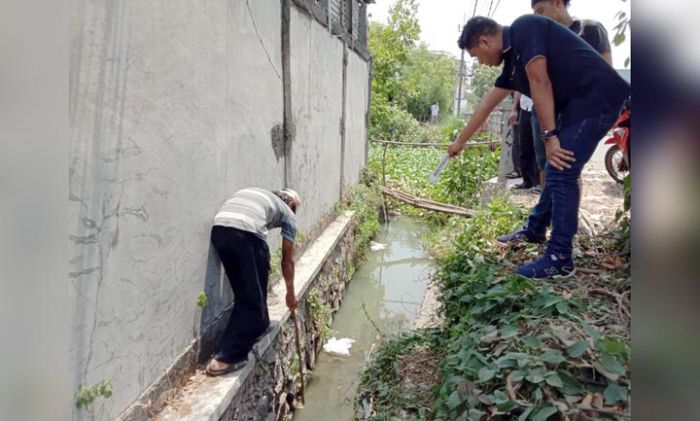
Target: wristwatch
[[550, 133]]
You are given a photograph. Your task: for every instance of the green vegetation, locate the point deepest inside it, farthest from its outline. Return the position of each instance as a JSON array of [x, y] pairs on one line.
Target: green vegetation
[[509, 348], [366, 200], [407, 78], [407, 169], [381, 383], [202, 299], [87, 395], [512, 347], [522, 347], [483, 77], [321, 313], [624, 234]]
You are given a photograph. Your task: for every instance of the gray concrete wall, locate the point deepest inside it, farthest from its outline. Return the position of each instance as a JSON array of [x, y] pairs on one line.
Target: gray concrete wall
[[357, 100], [317, 88], [174, 106]]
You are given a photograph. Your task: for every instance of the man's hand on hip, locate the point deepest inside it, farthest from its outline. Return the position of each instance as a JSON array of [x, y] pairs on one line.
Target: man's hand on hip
[[556, 156]]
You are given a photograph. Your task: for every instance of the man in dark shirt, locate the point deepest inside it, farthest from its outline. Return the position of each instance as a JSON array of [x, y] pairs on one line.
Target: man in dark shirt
[[567, 78], [593, 32]]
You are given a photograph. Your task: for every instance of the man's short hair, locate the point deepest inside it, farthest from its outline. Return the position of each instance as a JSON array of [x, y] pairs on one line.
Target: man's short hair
[[476, 27], [566, 2]]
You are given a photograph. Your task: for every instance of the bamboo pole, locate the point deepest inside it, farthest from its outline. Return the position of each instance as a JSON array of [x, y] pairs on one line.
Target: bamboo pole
[[427, 204], [431, 144]]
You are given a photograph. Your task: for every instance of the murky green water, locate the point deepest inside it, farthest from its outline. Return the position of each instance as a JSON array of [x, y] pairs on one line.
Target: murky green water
[[389, 285]]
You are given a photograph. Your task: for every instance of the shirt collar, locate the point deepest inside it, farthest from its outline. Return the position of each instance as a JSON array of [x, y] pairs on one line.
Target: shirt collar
[[506, 39]]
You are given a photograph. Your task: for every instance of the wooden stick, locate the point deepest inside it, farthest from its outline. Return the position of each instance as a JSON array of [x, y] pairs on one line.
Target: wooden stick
[[431, 144], [301, 365], [385, 211], [427, 204]]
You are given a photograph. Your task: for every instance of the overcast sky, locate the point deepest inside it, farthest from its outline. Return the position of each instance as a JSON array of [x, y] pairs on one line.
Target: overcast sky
[[440, 19]]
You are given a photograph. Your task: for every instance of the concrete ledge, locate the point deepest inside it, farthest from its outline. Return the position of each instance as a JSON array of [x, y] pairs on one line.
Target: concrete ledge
[[493, 188], [209, 398]]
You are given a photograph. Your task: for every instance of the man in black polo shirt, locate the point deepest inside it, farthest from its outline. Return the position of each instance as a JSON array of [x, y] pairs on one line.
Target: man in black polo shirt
[[565, 77], [593, 32]]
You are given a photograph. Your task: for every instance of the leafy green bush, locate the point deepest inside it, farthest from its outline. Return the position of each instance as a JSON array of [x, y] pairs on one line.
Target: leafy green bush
[[407, 169], [390, 122], [519, 347], [451, 127], [463, 179]]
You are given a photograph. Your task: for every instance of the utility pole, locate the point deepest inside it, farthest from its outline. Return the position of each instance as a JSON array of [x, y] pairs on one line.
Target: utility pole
[[461, 67], [461, 81]]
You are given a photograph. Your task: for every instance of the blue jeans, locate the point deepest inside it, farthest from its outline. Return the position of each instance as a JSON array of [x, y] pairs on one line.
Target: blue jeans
[[560, 198], [538, 142]]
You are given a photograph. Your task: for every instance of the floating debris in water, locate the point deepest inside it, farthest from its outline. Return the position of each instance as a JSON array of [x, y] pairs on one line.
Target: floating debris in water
[[339, 347], [374, 246]]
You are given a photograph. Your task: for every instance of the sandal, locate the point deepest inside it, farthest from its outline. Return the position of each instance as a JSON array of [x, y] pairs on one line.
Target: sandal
[[513, 174], [235, 366]]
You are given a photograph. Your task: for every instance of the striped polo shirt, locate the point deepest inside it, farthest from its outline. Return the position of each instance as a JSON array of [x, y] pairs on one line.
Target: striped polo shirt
[[256, 211]]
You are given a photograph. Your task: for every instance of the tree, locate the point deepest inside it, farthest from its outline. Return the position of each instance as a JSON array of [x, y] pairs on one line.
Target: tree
[[429, 77], [482, 79], [623, 24], [390, 45]]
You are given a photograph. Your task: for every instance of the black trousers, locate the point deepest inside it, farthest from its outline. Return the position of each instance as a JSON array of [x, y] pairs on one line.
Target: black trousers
[[515, 149], [246, 260], [528, 162]]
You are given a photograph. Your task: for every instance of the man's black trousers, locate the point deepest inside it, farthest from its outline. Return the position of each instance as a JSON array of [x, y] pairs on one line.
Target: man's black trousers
[[528, 161], [246, 260]]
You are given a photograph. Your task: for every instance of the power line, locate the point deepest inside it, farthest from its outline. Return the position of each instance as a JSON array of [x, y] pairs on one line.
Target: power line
[[495, 8], [489, 12]]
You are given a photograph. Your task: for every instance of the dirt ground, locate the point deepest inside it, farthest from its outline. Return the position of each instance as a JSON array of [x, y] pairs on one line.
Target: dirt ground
[[602, 196]]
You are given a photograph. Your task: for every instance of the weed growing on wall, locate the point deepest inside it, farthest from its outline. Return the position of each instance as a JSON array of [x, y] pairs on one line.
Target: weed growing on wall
[[366, 201], [202, 299], [87, 395], [321, 313]]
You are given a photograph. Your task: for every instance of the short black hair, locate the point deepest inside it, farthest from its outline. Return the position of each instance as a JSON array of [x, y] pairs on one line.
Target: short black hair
[[476, 27], [566, 2]]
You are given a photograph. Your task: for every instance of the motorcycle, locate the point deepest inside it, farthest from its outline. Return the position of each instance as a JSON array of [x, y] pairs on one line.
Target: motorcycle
[[617, 158]]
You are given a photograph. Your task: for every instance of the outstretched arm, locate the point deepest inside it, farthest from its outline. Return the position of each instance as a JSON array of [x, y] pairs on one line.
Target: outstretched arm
[[481, 113]]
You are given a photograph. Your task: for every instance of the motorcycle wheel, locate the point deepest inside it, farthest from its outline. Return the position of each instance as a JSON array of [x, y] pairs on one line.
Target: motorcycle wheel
[[616, 164]]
